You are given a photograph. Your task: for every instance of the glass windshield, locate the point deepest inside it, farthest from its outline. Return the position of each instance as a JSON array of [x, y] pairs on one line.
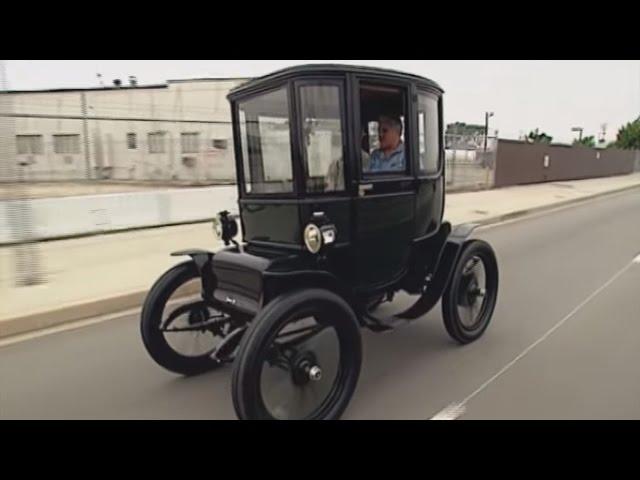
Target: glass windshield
[[323, 144], [266, 143]]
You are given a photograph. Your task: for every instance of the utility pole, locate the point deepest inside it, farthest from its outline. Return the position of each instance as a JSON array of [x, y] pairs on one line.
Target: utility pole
[[487, 116], [6, 170], [85, 133]]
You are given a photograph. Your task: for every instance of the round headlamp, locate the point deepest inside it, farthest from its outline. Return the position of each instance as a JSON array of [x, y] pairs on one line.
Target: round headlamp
[[225, 227], [313, 238]]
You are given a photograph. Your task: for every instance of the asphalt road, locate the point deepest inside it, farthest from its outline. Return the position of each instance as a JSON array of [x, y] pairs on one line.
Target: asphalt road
[[564, 343]]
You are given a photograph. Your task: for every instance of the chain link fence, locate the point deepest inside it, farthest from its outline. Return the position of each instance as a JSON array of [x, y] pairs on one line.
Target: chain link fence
[[470, 161], [16, 212]]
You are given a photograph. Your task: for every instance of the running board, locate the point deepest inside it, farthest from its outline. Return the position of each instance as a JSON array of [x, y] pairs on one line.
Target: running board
[[377, 325]]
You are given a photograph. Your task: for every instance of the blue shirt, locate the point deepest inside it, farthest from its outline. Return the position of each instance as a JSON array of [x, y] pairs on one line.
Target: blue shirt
[[393, 163]]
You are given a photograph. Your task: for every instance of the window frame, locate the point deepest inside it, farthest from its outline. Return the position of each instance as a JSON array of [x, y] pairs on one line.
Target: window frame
[[409, 126]]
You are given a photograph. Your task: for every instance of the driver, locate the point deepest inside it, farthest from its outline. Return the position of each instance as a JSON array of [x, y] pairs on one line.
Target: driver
[[390, 156]]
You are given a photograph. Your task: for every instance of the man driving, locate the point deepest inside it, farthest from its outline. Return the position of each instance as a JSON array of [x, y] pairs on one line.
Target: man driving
[[390, 156]]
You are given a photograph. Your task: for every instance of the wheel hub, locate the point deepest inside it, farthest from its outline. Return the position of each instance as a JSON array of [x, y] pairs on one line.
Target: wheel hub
[[197, 316], [474, 291], [305, 369]]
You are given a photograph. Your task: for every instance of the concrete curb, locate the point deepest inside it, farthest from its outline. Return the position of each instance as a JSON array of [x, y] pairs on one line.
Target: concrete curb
[[70, 313], [112, 305], [563, 203]]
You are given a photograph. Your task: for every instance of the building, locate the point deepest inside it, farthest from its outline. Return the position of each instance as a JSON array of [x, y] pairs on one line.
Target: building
[[179, 131]]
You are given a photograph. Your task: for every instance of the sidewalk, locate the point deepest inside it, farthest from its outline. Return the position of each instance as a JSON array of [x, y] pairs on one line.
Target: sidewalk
[[104, 274]]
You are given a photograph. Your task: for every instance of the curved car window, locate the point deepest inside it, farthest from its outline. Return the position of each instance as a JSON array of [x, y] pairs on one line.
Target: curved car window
[[266, 143], [428, 134]]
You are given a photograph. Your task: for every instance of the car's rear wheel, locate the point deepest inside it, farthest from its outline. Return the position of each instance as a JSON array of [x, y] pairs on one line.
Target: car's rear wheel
[[470, 298]]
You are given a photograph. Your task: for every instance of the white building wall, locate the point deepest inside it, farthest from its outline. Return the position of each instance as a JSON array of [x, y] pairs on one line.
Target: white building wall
[[80, 215], [195, 106]]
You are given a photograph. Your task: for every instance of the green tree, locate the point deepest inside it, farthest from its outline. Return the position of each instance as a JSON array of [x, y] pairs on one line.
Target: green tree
[[629, 136], [537, 137], [461, 128], [586, 141]]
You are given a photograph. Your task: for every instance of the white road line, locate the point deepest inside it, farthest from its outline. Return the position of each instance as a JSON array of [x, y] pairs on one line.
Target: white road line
[[453, 411], [461, 406]]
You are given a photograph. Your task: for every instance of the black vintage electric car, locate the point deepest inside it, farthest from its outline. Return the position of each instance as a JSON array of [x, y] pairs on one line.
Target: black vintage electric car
[[340, 173]]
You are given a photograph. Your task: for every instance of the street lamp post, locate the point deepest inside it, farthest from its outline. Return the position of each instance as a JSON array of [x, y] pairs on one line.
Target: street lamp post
[[578, 129]]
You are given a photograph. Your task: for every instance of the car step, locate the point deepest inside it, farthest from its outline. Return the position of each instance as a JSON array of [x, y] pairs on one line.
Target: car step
[[376, 324]]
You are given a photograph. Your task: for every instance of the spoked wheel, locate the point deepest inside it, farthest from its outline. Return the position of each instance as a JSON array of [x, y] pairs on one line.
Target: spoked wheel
[[179, 330], [299, 360], [470, 298]]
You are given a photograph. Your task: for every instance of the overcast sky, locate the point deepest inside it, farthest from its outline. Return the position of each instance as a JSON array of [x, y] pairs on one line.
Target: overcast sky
[[551, 95]]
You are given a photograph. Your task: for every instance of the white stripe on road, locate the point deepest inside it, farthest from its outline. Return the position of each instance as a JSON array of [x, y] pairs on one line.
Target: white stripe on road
[[461, 406], [452, 412]]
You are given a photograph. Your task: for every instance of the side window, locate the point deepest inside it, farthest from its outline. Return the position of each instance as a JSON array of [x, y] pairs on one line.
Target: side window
[[428, 134], [320, 109], [382, 110]]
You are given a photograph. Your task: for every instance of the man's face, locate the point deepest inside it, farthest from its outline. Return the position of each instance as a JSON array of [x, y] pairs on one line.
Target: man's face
[[389, 136]]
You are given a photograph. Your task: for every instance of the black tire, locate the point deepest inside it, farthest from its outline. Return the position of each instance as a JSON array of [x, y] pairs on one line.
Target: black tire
[[456, 290], [152, 315], [328, 310]]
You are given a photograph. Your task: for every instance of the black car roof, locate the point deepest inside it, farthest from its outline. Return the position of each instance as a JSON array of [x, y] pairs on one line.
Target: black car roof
[[329, 69]]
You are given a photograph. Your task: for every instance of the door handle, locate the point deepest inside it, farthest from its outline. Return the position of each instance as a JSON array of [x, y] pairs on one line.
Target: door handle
[[363, 189]]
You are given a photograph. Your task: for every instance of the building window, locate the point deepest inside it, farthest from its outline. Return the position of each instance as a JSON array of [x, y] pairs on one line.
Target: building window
[[132, 141], [66, 143], [190, 142], [220, 143], [156, 142], [29, 144]]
